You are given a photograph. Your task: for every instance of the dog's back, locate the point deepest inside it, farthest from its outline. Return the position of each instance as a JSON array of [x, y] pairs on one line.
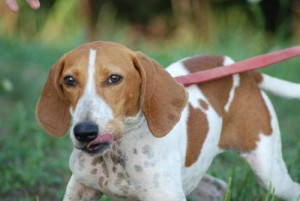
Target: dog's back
[[247, 124]]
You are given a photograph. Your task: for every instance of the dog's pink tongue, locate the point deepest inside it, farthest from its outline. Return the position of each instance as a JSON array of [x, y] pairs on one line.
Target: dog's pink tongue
[[102, 138]]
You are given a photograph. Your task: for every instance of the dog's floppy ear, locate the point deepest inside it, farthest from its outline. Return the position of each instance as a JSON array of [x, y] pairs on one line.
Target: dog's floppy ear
[[163, 99], [52, 111]]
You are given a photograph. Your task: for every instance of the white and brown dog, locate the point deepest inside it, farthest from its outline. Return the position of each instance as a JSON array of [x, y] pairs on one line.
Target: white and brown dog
[[139, 135]]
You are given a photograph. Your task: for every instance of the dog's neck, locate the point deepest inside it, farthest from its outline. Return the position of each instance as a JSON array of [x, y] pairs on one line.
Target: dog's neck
[[133, 123]]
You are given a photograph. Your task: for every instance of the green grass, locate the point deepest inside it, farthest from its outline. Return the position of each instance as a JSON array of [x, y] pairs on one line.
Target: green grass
[[34, 166]]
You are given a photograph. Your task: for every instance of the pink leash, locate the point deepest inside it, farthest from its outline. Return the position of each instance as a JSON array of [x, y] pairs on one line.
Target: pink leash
[[253, 63]]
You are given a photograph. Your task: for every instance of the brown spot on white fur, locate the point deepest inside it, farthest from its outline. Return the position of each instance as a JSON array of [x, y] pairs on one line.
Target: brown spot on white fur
[[147, 150], [248, 115], [217, 91], [135, 151], [105, 169], [198, 63], [197, 129], [203, 104], [118, 158], [97, 160], [101, 181], [247, 118], [94, 171], [114, 169], [257, 76], [138, 168]]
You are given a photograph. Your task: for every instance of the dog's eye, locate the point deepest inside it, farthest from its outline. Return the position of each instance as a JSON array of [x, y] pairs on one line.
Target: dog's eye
[[69, 81], [114, 79]]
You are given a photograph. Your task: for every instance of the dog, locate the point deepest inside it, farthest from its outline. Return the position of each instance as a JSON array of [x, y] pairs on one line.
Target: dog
[[139, 135]]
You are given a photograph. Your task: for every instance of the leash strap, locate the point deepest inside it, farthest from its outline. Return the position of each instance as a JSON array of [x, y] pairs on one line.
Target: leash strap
[[253, 63]]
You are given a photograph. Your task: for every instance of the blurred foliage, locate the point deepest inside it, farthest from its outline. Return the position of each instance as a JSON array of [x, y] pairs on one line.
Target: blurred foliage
[[64, 22]]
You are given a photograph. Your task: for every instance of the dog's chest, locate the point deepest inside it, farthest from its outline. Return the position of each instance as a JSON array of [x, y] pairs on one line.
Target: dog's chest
[[119, 173], [106, 173]]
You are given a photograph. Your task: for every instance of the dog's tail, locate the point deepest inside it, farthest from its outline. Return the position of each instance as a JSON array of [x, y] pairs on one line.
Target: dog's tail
[[277, 86]]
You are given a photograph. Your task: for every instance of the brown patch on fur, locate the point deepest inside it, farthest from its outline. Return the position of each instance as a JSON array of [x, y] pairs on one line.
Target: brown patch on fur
[[138, 168], [257, 76], [203, 104], [101, 181], [199, 63], [135, 151], [114, 169], [105, 169], [197, 129], [218, 92], [94, 171], [118, 158], [248, 114], [97, 160]]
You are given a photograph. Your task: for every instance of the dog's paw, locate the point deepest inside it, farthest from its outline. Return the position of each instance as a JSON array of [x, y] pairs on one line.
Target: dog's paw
[[209, 189]]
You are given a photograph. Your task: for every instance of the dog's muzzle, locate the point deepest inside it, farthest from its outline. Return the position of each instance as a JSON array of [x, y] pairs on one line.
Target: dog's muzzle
[[87, 133]]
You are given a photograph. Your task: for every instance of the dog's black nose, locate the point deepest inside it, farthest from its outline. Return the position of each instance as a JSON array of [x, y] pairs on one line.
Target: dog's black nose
[[86, 131]]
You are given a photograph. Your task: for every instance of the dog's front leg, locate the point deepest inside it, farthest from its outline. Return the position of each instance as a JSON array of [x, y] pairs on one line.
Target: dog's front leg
[[162, 190], [79, 192], [209, 189], [165, 196]]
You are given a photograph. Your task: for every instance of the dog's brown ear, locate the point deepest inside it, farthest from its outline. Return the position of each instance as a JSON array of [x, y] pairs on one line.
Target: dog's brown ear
[[52, 111], [163, 99]]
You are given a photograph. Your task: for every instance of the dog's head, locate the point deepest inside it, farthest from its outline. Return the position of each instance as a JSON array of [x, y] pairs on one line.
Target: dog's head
[[100, 85]]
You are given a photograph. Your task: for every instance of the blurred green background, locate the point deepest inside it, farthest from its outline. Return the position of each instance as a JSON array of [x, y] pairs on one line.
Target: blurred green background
[[34, 166]]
